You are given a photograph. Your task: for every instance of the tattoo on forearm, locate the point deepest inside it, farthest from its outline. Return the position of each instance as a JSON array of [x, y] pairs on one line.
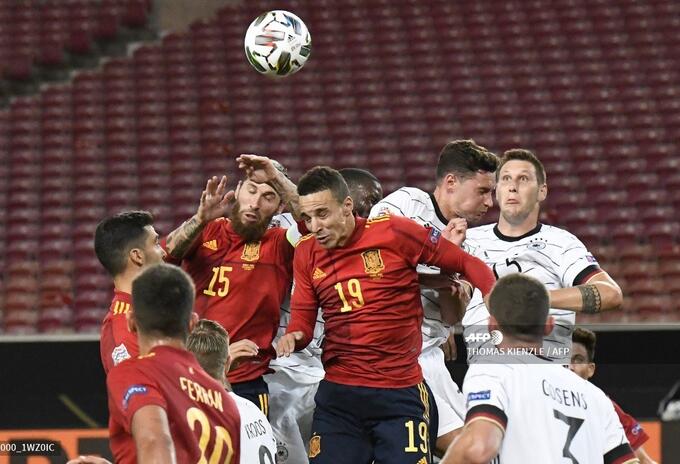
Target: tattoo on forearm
[[180, 239], [590, 296]]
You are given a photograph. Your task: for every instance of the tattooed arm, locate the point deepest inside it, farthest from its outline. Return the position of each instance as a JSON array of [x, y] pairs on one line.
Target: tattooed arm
[[215, 203], [599, 293], [261, 169]]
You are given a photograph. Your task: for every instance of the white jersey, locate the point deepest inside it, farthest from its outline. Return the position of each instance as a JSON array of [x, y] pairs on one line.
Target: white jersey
[[258, 445], [552, 255], [548, 413], [420, 206], [302, 366]]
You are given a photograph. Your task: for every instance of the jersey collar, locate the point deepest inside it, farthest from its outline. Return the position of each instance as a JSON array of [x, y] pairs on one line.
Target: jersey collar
[[506, 238], [438, 211]]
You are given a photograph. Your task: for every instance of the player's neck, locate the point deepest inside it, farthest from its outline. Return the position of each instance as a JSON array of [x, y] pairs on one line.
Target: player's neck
[[511, 228], [442, 206], [146, 344], [123, 282], [350, 225]]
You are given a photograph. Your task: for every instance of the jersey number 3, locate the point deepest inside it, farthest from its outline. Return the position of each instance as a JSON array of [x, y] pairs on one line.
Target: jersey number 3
[[354, 290], [574, 424]]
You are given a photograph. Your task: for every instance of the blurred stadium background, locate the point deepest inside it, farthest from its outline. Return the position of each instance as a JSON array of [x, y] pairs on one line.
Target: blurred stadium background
[[116, 104]]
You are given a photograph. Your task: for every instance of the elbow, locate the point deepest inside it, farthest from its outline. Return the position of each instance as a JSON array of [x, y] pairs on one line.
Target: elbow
[[612, 298], [155, 449], [480, 453]]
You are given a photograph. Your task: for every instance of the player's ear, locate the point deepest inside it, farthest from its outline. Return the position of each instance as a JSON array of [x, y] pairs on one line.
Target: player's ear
[[542, 192], [193, 321], [549, 325], [348, 206], [591, 369], [136, 255], [493, 324], [451, 181], [131, 323]]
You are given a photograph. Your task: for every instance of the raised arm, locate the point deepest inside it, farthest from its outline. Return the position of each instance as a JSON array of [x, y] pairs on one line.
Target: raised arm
[[261, 169], [151, 432], [215, 202], [599, 293]]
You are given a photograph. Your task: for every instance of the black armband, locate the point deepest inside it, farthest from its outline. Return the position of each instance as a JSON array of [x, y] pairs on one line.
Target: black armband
[[591, 300]]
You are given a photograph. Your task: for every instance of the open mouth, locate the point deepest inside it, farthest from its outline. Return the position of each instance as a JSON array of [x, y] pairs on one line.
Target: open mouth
[[322, 239], [250, 217]]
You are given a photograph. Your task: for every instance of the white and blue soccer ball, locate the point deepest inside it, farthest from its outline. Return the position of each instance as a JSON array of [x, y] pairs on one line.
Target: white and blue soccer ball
[[277, 43]]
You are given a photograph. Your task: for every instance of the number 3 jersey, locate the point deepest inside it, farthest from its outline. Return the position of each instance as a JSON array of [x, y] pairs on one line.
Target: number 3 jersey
[[242, 285], [547, 413], [369, 294], [552, 255], [204, 420]]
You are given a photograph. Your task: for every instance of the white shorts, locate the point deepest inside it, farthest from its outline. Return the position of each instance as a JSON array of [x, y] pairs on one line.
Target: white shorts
[[291, 408], [448, 397]]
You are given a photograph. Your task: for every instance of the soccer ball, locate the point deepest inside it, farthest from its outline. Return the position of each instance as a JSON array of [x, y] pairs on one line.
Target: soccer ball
[[277, 43]]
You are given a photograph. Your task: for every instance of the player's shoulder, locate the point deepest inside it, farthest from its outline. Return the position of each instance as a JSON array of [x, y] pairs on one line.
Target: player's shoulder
[[245, 407], [408, 200], [304, 242], [480, 232], [557, 234]]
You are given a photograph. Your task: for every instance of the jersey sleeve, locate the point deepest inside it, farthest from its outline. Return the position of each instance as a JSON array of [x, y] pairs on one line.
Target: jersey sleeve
[[398, 203], [486, 397], [634, 432], [616, 450], [304, 301], [426, 245], [129, 390], [576, 263]]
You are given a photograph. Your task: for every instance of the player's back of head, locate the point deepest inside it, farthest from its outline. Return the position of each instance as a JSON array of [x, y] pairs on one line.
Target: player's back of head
[[322, 178], [520, 154], [163, 300], [588, 339], [520, 305], [464, 158], [364, 188], [116, 235], [209, 343]]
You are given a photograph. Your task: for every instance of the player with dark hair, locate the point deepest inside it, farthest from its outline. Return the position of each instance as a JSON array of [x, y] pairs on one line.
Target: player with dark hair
[[520, 243], [125, 245], [364, 189], [241, 267], [163, 406], [373, 403], [209, 342], [296, 378], [583, 365], [464, 184], [524, 408]]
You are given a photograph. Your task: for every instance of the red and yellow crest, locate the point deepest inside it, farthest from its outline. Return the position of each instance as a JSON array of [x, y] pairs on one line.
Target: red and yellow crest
[[373, 263], [251, 251]]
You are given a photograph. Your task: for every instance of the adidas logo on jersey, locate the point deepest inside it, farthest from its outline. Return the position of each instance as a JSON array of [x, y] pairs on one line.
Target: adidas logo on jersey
[[318, 274], [211, 245]]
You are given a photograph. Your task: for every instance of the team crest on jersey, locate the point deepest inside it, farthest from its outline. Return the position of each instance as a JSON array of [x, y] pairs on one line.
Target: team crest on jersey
[[373, 263], [281, 452], [251, 251], [314, 446]]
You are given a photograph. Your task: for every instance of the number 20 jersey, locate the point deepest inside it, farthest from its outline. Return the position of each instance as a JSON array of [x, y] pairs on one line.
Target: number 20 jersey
[[547, 413]]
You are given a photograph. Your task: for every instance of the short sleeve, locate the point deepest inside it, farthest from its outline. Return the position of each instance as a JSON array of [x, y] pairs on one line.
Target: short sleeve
[[616, 446], [399, 203], [209, 231], [485, 395], [576, 263], [129, 390]]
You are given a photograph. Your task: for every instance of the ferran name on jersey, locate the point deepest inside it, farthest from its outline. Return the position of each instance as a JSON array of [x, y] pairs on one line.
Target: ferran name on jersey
[[373, 263], [251, 252]]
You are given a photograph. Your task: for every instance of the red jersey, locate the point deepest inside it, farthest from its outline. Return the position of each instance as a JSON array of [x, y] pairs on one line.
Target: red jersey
[[204, 420], [369, 294], [634, 432], [116, 342], [242, 286]]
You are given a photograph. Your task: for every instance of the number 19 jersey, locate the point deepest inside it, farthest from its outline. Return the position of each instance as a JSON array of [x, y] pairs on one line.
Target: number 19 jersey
[[548, 414]]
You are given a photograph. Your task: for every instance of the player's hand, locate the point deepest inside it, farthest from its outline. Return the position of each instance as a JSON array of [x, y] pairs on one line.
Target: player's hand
[[455, 231], [449, 348], [286, 344], [435, 281], [259, 169], [88, 460], [216, 201], [241, 350], [463, 290]]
